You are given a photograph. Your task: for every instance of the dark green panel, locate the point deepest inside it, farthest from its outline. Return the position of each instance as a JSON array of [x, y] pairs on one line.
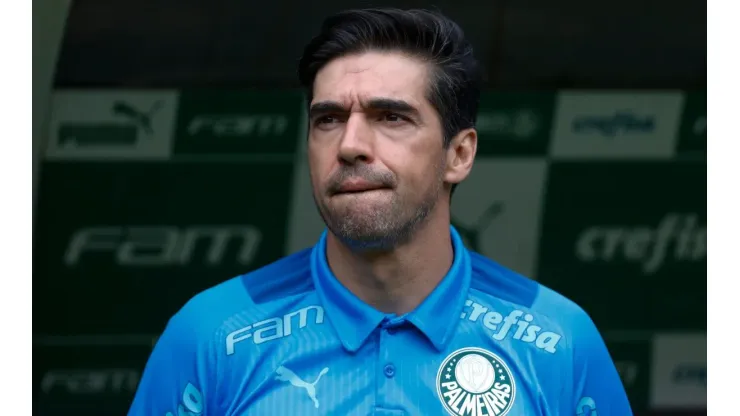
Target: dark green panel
[[120, 247], [238, 122], [692, 135], [514, 123], [86, 380], [627, 241], [632, 359]]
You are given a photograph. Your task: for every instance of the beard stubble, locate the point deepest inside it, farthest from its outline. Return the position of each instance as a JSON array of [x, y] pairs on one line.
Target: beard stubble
[[383, 223]]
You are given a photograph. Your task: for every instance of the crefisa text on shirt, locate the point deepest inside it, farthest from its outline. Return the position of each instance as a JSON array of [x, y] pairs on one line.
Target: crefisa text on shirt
[[526, 330], [519, 324]]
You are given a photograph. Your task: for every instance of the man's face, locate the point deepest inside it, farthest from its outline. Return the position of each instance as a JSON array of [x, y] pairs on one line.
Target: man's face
[[375, 148]]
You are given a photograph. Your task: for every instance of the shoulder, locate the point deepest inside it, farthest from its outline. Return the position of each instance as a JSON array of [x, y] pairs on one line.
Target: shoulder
[[253, 294], [506, 285]]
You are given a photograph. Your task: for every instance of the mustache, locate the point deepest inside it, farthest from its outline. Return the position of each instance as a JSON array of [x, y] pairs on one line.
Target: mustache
[[381, 178]]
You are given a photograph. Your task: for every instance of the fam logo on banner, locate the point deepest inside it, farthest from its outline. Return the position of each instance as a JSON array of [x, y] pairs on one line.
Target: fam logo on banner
[[127, 244], [111, 125], [238, 123], [625, 125], [496, 210], [692, 137], [616, 232], [679, 371], [82, 379], [514, 123]]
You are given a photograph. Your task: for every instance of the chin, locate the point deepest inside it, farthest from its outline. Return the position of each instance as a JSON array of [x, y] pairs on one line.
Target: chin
[[365, 238], [363, 223], [374, 229], [360, 206]]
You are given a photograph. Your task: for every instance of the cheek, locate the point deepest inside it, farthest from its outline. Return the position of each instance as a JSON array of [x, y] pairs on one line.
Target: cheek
[[426, 164], [421, 175], [319, 166]]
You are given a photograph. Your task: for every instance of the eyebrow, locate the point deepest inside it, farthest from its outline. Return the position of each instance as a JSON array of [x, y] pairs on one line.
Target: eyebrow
[[377, 104]]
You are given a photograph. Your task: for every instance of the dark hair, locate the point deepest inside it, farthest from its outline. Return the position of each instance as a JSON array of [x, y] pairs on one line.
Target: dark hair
[[455, 80]]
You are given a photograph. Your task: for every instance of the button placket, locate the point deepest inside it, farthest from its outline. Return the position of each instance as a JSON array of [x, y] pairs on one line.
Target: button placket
[[389, 370], [386, 368]]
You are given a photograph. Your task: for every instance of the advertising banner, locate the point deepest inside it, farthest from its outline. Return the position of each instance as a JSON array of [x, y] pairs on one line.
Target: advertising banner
[[692, 136], [238, 123], [121, 247], [111, 125], [623, 125], [86, 380], [632, 359], [627, 241], [516, 124], [679, 371]]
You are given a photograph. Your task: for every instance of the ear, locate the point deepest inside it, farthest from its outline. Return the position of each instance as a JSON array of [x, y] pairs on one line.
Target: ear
[[460, 156]]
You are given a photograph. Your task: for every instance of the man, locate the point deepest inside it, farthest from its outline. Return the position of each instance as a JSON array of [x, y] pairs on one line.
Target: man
[[389, 313]]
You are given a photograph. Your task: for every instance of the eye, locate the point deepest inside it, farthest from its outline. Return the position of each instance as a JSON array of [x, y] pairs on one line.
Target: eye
[[394, 118], [325, 120]]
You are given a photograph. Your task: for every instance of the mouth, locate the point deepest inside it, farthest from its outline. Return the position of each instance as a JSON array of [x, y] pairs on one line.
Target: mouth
[[357, 186]]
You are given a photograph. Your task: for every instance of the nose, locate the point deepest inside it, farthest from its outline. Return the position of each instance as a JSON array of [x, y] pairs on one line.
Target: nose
[[357, 141]]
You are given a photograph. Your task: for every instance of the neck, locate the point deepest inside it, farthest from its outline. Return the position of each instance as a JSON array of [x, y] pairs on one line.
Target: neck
[[396, 281]]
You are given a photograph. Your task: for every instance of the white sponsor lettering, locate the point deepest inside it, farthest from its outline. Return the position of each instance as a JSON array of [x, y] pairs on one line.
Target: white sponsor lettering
[[586, 407], [274, 328], [526, 329], [286, 374], [192, 402], [519, 124], [91, 381], [165, 245], [646, 245], [238, 125]]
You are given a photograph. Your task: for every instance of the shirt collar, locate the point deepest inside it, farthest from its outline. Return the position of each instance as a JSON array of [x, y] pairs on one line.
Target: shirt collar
[[354, 320]]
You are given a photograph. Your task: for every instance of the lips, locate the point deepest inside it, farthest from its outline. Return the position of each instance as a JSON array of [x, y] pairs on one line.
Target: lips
[[353, 186]]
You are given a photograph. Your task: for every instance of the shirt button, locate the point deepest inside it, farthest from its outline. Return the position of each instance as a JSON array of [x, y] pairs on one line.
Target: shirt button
[[392, 330], [389, 370]]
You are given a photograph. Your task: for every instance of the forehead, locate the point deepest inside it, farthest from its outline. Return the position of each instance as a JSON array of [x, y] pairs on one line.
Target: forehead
[[356, 77]]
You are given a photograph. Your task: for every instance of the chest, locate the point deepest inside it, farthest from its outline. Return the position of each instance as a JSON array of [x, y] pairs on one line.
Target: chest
[[393, 373]]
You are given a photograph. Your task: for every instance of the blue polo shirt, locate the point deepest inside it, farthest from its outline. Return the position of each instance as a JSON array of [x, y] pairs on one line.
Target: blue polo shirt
[[289, 339]]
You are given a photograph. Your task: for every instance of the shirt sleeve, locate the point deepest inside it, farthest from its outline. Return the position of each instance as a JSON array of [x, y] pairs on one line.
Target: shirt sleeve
[[177, 377], [598, 388]]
